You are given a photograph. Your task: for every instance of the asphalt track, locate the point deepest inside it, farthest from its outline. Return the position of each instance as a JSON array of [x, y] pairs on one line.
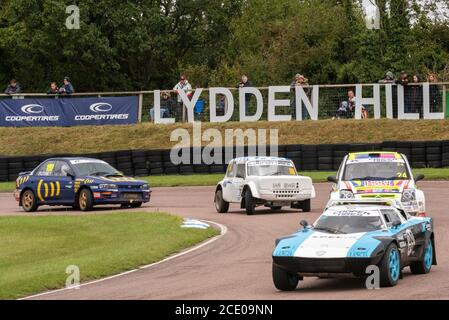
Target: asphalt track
[[238, 265]]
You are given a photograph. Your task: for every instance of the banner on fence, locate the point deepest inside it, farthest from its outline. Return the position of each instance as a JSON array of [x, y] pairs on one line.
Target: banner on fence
[[69, 111]]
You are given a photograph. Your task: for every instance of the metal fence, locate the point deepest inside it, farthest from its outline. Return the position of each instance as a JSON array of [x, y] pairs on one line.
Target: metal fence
[[331, 98]]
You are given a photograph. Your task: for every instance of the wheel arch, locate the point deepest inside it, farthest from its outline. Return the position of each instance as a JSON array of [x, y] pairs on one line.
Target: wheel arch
[[79, 191]]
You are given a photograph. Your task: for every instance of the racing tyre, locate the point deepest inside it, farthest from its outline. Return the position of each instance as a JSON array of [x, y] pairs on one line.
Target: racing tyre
[[135, 204], [220, 205], [390, 267], [85, 200], [28, 200], [305, 205], [283, 280], [249, 203], [425, 264]]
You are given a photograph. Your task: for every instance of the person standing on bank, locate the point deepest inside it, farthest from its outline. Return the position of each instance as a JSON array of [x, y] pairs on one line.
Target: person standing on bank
[[67, 87], [13, 87], [182, 85], [245, 82]]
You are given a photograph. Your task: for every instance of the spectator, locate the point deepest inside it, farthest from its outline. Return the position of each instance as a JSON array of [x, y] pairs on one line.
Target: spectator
[[435, 95], [53, 88], [403, 81], [346, 108], [245, 82], [67, 87], [389, 78], [221, 106], [300, 81], [416, 94], [13, 87], [166, 106], [182, 85]]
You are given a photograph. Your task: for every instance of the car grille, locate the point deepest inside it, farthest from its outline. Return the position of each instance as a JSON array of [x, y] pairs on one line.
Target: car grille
[[129, 188]]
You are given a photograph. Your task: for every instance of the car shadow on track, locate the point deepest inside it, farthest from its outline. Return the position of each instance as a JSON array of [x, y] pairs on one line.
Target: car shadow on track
[[264, 212], [108, 208]]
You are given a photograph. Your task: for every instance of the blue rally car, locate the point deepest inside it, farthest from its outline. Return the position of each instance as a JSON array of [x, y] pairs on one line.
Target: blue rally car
[[349, 237], [78, 182]]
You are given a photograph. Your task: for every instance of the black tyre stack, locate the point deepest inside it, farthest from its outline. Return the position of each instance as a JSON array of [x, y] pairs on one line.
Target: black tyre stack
[[139, 161], [292, 152], [124, 162], [418, 154], [15, 166], [154, 162], [309, 156], [325, 157], [4, 176], [340, 151], [169, 167], [433, 154], [445, 153]]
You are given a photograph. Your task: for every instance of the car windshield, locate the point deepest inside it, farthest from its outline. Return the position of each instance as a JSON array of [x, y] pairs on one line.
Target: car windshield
[[348, 222], [95, 168], [376, 171], [271, 168]]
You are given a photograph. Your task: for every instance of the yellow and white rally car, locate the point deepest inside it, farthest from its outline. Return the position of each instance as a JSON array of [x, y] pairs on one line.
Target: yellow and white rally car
[[378, 174]]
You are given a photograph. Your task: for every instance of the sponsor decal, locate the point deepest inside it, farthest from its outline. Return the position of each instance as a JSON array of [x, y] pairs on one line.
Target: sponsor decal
[[101, 107], [32, 108], [31, 112]]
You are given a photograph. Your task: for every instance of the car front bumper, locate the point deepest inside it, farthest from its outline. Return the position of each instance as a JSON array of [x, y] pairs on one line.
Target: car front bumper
[[297, 265], [115, 197]]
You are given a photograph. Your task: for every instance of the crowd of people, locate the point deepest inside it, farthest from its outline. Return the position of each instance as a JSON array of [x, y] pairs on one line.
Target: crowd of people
[[65, 89], [413, 95]]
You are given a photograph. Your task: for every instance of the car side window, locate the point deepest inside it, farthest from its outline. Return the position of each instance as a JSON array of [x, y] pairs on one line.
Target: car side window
[[46, 169], [61, 169], [241, 170], [390, 216], [231, 170]]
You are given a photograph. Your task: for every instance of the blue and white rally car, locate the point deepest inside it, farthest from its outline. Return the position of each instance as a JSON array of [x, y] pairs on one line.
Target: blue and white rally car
[[78, 182], [348, 237]]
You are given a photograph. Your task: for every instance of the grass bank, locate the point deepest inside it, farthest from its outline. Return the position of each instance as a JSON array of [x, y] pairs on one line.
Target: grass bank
[[32, 141], [35, 251], [212, 179]]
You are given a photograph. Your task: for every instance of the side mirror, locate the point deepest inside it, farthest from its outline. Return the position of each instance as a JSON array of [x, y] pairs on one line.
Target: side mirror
[[418, 177], [332, 179], [304, 224]]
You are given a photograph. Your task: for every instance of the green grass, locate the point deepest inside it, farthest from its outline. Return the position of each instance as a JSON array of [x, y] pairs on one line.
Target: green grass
[[36, 250], [56, 140], [212, 179]]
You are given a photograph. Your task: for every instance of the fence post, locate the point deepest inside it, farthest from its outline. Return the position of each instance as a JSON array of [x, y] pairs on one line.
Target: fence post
[[445, 109], [140, 107]]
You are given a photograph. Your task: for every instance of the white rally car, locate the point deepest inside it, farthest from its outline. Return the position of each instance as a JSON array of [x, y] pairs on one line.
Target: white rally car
[[269, 181], [381, 175]]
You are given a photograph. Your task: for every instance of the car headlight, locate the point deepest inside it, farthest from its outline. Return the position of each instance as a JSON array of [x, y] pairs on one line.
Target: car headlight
[[108, 186], [346, 194], [145, 186], [408, 195]]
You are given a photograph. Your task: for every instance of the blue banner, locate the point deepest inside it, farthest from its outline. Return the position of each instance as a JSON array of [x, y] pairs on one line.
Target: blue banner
[[68, 112]]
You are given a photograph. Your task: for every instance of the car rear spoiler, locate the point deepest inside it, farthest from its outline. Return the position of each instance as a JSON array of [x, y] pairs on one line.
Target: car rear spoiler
[[378, 202]]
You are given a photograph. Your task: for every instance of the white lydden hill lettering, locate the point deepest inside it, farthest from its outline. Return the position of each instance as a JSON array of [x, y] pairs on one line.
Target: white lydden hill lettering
[[189, 149], [303, 102]]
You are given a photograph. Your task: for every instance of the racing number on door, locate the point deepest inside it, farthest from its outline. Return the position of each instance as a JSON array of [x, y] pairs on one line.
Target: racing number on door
[[410, 239]]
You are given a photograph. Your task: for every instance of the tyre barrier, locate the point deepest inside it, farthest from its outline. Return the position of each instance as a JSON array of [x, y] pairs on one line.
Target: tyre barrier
[[323, 157]]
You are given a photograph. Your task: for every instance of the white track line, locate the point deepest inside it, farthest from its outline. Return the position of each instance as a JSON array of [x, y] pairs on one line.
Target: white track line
[[223, 231]]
